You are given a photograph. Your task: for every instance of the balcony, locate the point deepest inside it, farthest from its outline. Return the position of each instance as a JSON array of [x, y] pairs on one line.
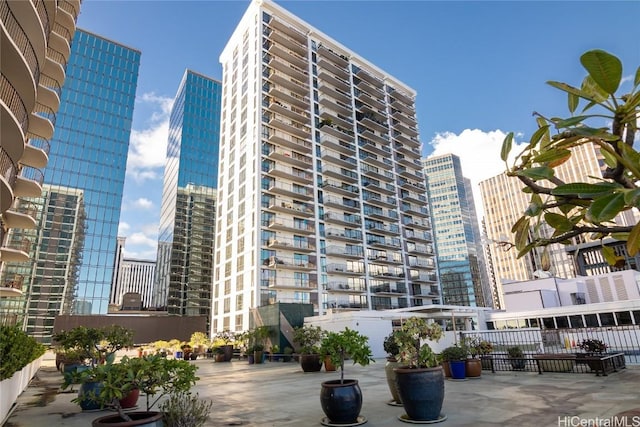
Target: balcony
[[344, 286], [287, 29], [369, 78], [381, 257], [371, 146], [29, 183], [380, 138], [344, 234], [289, 96], [294, 226], [290, 190], [412, 185], [325, 62], [355, 252], [417, 223], [289, 69], [405, 129], [288, 42], [330, 141], [422, 236], [291, 244], [408, 119], [290, 157], [419, 249], [338, 158], [389, 229], [423, 278], [340, 121], [344, 269], [388, 289], [414, 209], [410, 196], [374, 93], [289, 263], [297, 86], [290, 126], [411, 173], [343, 133], [410, 162], [342, 203], [377, 173], [366, 98], [382, 162], [374, 123], [285, 140], [398, 105], [335, 58], [378, 200], [12, 285], [16, 249], [281, 51], [291, 112], [340, 188], [407, 151], [337, 106], [286, 206], [422, 263], [340, 173], [344, 219], [337, 82], [292, 174], [22, 214], [375, 185], [381, 242], [327, 88]]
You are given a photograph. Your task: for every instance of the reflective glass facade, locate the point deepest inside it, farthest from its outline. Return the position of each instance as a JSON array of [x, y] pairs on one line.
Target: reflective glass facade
[[88, 157], [187, 219], [460, 261]]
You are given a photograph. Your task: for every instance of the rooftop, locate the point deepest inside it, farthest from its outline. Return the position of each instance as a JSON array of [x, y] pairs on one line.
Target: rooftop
[[280, 394]]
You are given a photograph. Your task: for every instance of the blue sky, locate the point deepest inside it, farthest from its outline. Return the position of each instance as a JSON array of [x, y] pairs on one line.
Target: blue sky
[[479, 69]]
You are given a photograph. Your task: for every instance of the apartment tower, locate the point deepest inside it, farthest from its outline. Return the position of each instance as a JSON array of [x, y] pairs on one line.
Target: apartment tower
[[461, 266], [321, 191], [36, 37], [187, 219], [80, 210], [504, 202]]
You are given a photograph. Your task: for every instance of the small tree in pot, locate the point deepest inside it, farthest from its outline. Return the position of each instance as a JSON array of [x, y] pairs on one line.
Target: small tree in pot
[[421, 380], [308, 338], [342, 399], [392, 349]]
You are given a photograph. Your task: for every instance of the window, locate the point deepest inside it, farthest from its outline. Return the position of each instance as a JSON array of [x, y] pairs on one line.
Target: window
[[591, 320]]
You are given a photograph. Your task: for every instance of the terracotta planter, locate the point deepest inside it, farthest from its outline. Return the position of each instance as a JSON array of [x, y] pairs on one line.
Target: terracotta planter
[[131, 399], [473, 368], [446, 368], [328, 366]]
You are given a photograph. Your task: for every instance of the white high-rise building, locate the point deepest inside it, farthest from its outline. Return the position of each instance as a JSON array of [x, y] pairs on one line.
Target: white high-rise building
[[321, 191]]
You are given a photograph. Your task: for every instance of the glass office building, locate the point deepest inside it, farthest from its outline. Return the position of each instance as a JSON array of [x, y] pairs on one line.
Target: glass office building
[[187, 218], [458, 241], [79, 210]]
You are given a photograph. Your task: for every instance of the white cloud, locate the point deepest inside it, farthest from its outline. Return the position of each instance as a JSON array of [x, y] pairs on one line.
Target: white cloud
[[479, 153], [143, 203], [123, 228], [147, 147]]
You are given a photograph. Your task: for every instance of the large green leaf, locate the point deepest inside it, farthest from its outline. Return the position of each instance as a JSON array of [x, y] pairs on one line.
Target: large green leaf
[[535, 205], [538, 135], [570, 89], [506, 146], [552, 156], [583, 189], [605, 208], [609, 255], [591, 87], [538, 173], [632, 197], [521, 231], [573, 100], [558, 222], [636, 81], [570, 121], [633, 242], [604, 68]]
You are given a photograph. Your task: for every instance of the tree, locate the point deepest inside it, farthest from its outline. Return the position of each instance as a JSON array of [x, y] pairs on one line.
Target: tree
[[588, 209]]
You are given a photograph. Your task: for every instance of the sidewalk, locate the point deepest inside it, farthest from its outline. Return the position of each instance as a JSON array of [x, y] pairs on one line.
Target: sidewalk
[[281, 395]]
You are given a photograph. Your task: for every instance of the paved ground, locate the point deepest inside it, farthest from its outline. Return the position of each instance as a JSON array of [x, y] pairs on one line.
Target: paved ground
[[280, 394]]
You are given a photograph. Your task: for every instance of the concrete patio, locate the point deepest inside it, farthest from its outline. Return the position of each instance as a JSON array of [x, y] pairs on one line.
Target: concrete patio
[[280, 394]]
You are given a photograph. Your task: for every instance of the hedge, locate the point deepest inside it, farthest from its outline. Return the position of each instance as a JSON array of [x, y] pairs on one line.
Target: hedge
[[17, 350]]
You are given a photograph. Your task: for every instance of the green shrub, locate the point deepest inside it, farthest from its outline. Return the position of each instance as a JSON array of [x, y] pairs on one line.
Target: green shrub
[[17, 350]]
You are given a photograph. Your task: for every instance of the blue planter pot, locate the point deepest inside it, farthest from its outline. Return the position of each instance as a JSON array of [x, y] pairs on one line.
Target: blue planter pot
[[422, 392], [85, 393], [458, 369], [341, 403]]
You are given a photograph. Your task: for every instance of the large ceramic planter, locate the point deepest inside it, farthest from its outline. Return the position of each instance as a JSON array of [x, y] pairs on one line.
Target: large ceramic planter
[[422, 393], [258, 357], [446, 368], [341, 402], [228, 352], [517, 363], [131, 399], [310, 362], [85, 393], [473, 368], [458, 369], [138, 419], [389, 370]]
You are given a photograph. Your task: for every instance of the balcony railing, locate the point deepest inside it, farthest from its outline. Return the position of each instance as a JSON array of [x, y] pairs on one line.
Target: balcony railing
[[9, 95], [20, 38], [8, 167]]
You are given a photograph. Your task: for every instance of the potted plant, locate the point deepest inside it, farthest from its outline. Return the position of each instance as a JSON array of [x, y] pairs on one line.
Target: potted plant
[[183, 409], [457, 357], [485, 348], [473, 365], [226, 339], [421, 379], [392, 349], [153, 376], [288, 351], [219, 354], [341, 399], [308, 338], [260, 334], [452, 353], [593, 346], [199, 341], [516, 358]]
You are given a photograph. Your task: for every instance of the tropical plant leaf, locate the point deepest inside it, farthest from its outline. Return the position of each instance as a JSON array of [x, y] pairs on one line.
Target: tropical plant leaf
[[591, 87], [526, 250], [633, 241], [552, 156], [609, 255], [506, 146], [632, 197], [573, 100], [605, 208], [636, 81], [538, 135], [558, 222], [538, 173], [583, 190], [604, 68], [535, 205], [570, 121], [521, 231], [609, 159], [570, 89]]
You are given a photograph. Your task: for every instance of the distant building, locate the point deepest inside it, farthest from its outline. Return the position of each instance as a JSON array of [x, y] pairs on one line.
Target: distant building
[[461, 266], [133, 276], [504, 202], [184, 273]]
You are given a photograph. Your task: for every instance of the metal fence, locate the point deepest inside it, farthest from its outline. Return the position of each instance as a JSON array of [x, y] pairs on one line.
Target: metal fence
[[619, 339]]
